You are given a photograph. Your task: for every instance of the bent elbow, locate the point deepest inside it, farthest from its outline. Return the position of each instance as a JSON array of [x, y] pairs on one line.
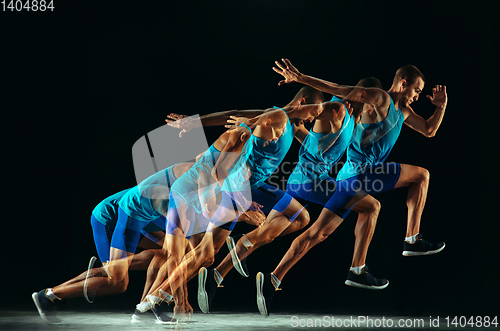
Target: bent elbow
[[430, 134]]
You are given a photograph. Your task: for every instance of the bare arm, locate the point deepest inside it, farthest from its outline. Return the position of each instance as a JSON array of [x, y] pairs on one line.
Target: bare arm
[[430, 126], [229, 154], [374, 96], [220, 118], [301, 133], [292, 74], [270, 116], [185, 123]]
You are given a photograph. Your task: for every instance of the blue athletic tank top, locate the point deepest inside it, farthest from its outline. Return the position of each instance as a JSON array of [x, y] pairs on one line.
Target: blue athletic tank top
[[372, 142], [137, 201], [320, 151], [263, 157], [197, 183], [107, 209]]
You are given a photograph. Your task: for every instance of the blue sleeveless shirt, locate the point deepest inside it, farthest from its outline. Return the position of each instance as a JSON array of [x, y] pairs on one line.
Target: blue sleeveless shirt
[[372, 142], [197, 183], [107, 209], [320, 151], [137, 201], [263, 157]]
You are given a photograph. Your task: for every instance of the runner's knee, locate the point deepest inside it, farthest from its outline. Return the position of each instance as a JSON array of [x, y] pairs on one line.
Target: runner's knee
[[209, 260], [303, 218], [120, 284], [373, 208], [419, 175], [424, 175]]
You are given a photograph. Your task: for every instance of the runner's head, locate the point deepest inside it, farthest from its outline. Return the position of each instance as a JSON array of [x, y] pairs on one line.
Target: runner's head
[[307, 96], [410, 82], [359, 108]]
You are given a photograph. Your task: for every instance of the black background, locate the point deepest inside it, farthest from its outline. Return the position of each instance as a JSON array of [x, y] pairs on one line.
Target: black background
[[81, 84]]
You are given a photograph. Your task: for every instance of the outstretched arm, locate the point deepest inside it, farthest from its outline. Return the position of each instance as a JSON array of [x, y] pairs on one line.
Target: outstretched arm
[[373, 96], [430, 126], [270, 116], [185, 123], [292, 74]]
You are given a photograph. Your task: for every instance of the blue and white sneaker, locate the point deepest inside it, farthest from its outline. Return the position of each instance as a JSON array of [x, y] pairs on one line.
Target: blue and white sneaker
[[240, 266], [422, 247], [365, 280], [265, 293], [141, 317], [207, 286], [46, 307], [162, 314]]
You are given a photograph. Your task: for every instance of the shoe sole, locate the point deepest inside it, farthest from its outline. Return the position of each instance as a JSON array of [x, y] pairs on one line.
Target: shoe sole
[[202, 294], [368, 287], [85, 284], [234, 257], [415, 253], [136, 319], [261, 302], [172, 321], [38, 305], [158, 320], [143, 317]]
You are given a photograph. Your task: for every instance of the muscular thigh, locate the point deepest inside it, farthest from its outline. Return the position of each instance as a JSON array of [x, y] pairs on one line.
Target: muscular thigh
[[366, 204], [326, 223], [409, 174]]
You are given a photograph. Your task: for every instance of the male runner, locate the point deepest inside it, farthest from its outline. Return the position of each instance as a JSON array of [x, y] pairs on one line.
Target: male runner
[[310, 182], [374, 138], [104, 224], [188, 202], [272, 135]]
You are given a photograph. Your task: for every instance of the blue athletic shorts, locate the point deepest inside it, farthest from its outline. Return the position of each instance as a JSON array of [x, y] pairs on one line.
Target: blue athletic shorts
[[270, 198], [318, 192], [158, 225], [374, 179], [127, 232], [189, 225], [102, 237], [266, 195], [227, 205]]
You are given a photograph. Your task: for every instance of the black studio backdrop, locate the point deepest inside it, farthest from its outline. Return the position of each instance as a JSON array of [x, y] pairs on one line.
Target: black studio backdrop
[[82, 83]]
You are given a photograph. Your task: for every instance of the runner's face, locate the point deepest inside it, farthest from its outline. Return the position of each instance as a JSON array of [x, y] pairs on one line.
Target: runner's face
[[412, 92], [310, 114]]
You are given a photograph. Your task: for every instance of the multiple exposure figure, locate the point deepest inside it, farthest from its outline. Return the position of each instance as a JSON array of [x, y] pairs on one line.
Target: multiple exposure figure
[[174, 222]]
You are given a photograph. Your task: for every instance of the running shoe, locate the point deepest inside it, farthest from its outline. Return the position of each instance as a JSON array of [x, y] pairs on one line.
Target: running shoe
[[366, 280], [422, 247], [46, 307]]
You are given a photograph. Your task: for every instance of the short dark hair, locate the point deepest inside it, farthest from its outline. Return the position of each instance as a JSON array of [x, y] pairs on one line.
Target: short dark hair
[[311, 95], [409, 73], [370, 82]]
